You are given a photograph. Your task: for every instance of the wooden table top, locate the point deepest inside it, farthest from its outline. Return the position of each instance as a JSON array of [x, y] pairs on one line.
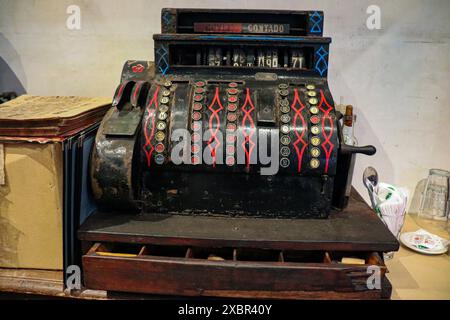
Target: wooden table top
[[357, 228]]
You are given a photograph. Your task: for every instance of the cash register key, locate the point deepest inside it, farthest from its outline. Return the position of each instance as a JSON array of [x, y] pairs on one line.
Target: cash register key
[[283, 86], [162, 116], [195, 148], [160, 136], [285, 109], [231, 117], [161, 125], [163, 108], [196, 116], [196, 126], [313, 101], [285, 151], [230, 149], [231, 138], [285, 118], [315, 141], [285, 129], [310, 87], [200, 84], [195, 159], [159, 159], [285, 140], [232, 91], [164, 100], [167, 84], [166, 93], [232, 84], [197, 106], [284, 102], [159, 148], [283, 93], [312, 93], [198, 97], [231, 127], [284, 162], [232, 107], [230, 160], [314, 110], [315, 152], [314, 163], [232, 99], [195, 137], [314, 119], [199, 90], [315, 130]]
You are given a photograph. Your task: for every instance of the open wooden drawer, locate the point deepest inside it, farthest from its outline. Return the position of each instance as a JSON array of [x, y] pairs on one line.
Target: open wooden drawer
[[232, 272]]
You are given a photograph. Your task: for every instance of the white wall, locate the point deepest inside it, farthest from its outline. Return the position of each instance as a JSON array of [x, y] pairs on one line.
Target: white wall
[[397, 77]]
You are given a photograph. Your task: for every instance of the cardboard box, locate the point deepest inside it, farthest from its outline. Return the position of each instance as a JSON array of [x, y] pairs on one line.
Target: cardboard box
[[43, 188], [31, 206]]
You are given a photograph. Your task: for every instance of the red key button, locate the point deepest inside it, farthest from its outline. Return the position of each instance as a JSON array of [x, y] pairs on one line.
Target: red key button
[[195, 159], [231, 127], [230, 160], [159, 148], [231, 116], [230, 149], [232, 99], [199, 90], [232, 107], [195, 148], [232, 91], [314, 119], [198, 97], [232, 84], [231, 138], [200, 83], [196, 116], [195, 126], [197, 106], [195, 137]]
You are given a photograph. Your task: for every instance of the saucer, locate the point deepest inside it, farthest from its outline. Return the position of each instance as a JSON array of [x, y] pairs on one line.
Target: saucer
[[423, 242]]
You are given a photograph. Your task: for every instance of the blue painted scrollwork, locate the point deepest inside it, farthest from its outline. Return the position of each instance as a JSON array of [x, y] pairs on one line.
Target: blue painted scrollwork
[[162, 59], [315, 22], [321, 65]]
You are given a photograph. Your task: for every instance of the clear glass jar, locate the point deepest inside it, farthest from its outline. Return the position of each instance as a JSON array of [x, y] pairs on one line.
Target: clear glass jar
[[435, 204]]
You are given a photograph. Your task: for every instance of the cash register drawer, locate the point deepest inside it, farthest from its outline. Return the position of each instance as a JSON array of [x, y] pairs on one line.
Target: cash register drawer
[[233, 272]]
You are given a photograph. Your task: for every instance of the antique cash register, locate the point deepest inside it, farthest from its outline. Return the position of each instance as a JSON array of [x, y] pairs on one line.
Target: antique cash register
[[224, 159]]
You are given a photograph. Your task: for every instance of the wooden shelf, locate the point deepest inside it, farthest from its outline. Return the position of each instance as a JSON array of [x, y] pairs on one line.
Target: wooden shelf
[[356, 229]]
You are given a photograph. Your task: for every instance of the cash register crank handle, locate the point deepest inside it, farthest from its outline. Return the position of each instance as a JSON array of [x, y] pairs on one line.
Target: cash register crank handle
[[348, 149]]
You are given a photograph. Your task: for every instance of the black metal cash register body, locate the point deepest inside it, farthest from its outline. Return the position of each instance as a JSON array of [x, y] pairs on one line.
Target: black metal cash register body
[[242, 86], [232, 126]]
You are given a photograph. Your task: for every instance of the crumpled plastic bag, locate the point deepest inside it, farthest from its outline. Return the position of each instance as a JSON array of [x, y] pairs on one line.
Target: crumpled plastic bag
[[390, 205]]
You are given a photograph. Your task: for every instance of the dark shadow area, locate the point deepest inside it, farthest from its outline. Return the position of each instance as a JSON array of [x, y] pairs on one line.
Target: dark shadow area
[[9, 82]]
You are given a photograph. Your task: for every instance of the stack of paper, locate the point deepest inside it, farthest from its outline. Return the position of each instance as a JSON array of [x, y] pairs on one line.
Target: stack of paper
[[57, 116]]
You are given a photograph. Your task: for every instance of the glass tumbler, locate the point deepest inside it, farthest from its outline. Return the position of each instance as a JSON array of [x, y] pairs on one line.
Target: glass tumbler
[[435, 204]]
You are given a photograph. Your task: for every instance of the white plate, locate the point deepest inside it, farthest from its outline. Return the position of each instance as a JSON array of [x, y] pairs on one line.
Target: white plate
[[405, 238]]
